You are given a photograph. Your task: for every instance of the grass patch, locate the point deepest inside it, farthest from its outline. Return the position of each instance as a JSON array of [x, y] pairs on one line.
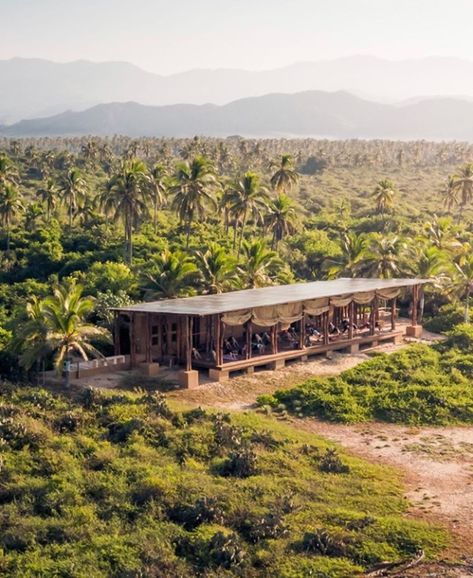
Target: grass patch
[[418, 385], [123, 485]]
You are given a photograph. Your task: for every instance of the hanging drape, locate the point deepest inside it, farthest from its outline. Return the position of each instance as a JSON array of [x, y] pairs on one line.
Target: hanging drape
[[237, 317], [316, 306], [388, 294], [364, 298], [291, 312], [286, 314], [341, 301]]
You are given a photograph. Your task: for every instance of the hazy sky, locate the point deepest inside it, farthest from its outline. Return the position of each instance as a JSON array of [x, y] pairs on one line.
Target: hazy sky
[[169, 36]]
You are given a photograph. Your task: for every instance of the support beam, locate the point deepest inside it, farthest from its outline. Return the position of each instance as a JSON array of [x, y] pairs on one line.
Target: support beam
[[415, 295], [132, 341], [393, 314], [249, 330], [326, 322], [218, 339], [351, 320], [302, 332], [274, 338], [116, 332], [148, 322], [188, 341]]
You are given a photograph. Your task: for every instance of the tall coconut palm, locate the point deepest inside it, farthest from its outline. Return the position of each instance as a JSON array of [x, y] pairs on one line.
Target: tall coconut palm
[[382, 257], [462, 283], [217, 269], [73, 190], [384, 194], [58, 325], [193, 189], [48, 195], [285, 177], [426, 262], [126, 198], [171, 275], [8, 171], [260, 265], [441, 233], [10, 206], [282, 218], [248, 199], [158, 190], [348, 262], [462, 183]]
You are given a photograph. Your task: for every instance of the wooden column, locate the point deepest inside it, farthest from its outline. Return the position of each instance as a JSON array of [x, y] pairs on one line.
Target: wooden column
[[374, 314], [415, 297], [302, 332], [393, 314], [351, 314], [325, 329], [188, 342], [217, 339], [274, 338], [132, 341], [160, 337], [249, 329], [148, 338], [116, 333], [222, 336]]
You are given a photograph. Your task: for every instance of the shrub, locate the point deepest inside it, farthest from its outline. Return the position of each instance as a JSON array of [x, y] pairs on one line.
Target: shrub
[[445, 319], [332, 464], [241, 463]]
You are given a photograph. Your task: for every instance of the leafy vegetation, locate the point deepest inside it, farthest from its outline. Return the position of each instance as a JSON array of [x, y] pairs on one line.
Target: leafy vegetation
[[421, 384], [123, 485]]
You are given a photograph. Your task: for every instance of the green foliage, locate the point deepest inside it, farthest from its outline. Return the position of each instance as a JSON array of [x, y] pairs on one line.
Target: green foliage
[[445, 319], [417, 385], [97, 487]]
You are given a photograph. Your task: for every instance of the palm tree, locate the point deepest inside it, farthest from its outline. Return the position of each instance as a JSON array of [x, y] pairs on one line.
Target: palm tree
[[193, 186], [48, 195], [282, 218], [426, 262], [158, 190], [10, 206], [217, 269], [441, 233], [8, 171], [171, 276], [260, 265], [285, 177], [126, 199], [73, 189], [462, 283], [461, 183], [384, 194], [347, 264], [382, 257], [57, 325], [248, 198]]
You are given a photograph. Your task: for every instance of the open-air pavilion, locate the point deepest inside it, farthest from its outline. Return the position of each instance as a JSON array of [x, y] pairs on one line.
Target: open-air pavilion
[[241, 330]]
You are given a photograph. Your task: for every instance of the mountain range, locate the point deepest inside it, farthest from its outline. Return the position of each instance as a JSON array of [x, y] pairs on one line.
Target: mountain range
[[32, 88], [310, 113]]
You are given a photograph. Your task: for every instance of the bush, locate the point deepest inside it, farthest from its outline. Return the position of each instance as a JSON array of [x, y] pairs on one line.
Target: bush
[[241, 464], [419, 384], [445, 320]]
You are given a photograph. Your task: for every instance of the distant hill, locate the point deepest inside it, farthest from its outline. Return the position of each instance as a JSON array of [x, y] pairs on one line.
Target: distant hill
[[32, 88], [310, 113]]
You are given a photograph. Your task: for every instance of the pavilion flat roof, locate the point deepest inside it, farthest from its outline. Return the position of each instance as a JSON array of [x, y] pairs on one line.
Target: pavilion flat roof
[[273, 295]]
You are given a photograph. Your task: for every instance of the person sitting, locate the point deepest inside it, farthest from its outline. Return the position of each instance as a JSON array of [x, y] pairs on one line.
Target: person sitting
[[234, 343], [333, 329], [257, 338], [266, 338], [196, 354]]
